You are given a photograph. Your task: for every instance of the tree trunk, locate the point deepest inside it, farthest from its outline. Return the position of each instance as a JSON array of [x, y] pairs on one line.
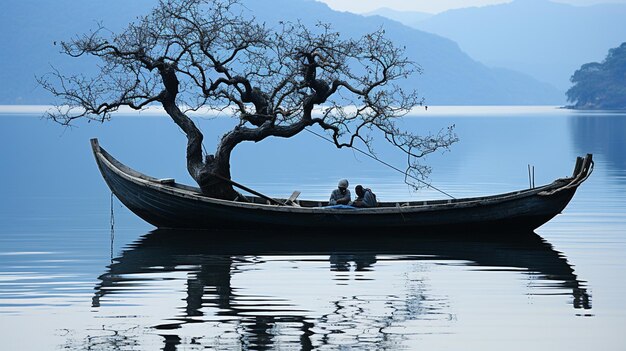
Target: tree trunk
[[214, 186], [219, 164], [202, 171]]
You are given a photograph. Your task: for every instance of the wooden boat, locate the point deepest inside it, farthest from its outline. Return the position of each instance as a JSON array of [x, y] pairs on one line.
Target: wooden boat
[[167, 204]]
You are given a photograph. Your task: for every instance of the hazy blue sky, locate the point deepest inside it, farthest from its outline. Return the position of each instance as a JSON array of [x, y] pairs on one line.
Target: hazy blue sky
[[431, 6]]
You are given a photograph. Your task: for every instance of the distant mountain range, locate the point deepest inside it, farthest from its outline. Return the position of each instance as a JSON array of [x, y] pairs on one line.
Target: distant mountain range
[[29, 29], [544, 39], [409, 18]]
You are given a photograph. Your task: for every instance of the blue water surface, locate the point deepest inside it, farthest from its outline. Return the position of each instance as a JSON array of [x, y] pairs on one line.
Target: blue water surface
[[85, 273]]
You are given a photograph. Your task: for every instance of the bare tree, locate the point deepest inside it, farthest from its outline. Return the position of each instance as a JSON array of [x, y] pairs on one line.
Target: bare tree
[[188, 54]]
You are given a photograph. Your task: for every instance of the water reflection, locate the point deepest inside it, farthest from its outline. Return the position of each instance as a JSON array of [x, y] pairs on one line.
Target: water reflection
[[211, 263], [602, 134]]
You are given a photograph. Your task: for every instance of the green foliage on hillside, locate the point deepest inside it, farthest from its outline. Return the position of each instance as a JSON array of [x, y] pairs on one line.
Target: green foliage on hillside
[[601, 85]]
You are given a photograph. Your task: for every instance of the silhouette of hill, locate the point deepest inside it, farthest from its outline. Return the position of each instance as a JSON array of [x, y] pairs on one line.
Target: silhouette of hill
[[544, 39], [29, 29], [409, 18], [602, 85]]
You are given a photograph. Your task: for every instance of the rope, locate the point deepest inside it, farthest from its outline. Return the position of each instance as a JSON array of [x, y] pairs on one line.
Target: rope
[[112, 227], [384, 163]]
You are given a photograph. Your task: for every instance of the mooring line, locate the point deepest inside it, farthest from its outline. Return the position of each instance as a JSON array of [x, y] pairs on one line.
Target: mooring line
[[112, 227], [383, 162]]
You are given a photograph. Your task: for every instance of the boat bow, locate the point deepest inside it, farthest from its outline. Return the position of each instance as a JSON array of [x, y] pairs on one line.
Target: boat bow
[[167, 204]]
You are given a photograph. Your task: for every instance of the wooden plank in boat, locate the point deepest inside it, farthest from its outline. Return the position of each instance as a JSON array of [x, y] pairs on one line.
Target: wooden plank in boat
[[166, 181], [291, 200]]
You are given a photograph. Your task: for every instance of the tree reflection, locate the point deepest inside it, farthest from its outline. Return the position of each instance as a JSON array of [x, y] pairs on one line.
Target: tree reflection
[[601, 133], [212, 259]]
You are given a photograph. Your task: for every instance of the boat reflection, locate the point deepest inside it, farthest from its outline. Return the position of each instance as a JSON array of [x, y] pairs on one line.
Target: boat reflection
[[213, 260]]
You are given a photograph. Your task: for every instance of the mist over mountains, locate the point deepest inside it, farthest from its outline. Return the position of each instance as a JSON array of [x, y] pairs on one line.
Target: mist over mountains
[[30, 28], [409, 18], [544, 39]]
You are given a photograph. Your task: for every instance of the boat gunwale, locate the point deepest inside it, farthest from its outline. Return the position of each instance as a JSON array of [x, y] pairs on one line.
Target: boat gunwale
[[185, 191]]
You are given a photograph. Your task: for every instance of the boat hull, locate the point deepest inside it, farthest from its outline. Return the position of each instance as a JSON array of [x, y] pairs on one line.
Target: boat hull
[[171, 207]]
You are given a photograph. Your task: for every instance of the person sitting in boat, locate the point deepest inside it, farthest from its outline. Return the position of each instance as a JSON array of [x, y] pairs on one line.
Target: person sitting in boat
[[365, 197], [341, 195]]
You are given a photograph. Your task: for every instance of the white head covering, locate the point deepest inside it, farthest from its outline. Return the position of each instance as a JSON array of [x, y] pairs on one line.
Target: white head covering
[[343, 183]]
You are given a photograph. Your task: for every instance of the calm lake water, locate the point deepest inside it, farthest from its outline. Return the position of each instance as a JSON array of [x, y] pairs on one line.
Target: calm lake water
[[68, 280]]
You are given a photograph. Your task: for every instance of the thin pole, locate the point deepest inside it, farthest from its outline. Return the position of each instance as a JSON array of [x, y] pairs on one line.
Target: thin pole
[[530, 183], [384, 163], [251, 191]]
